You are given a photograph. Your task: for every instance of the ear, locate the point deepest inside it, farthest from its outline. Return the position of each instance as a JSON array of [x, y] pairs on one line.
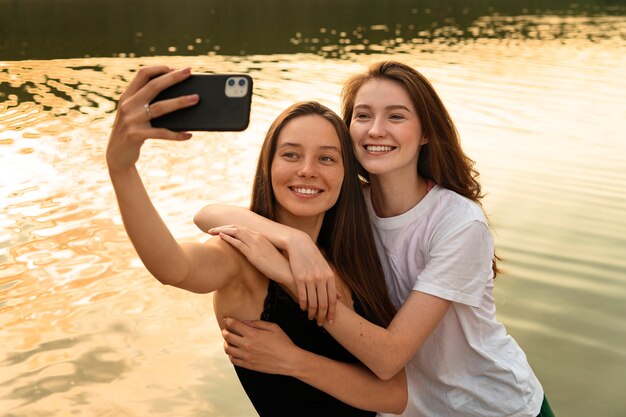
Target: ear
[[423, 140]]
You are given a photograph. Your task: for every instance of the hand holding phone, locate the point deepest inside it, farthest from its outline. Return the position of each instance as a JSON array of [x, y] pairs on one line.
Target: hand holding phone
[[225, 101]]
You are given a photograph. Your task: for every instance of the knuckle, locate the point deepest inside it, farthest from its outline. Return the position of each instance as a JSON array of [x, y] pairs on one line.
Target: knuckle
[[156, 107], [133, 132], [123, 108], [143, 72]]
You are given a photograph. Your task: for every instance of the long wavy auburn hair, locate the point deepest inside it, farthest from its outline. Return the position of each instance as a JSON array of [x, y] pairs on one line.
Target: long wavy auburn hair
[[346, 235], [441, 159]]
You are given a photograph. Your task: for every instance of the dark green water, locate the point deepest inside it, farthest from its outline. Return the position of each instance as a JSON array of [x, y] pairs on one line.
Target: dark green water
[[51, 29]]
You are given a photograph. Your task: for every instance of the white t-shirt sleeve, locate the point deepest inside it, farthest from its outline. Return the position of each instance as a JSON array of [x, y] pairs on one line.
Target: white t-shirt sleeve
[[458, 264]]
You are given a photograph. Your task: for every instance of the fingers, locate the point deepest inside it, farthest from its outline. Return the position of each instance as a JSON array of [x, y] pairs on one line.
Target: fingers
[[237, 326], [149, 82], [239, 337], [233, 352], [234, 242], [239, 237], [302, 296], [232, 343], [238, 232], [144, 75], [155, 85], [311, 292], [263, 325], [168, 134], [159, 108], [230, 229], [318, 295], [134, 112], [225, 227], [332, 301], [322, 303], [232, 338]]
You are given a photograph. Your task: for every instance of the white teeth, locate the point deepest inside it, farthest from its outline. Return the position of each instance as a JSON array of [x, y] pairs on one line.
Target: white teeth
[[379, 148], [308, 191]]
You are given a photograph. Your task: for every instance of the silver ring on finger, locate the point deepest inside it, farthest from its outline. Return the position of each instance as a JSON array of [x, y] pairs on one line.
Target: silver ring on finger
[[148, 112]]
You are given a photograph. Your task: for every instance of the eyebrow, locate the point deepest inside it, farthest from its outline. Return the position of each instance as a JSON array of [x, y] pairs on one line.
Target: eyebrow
[[391, 107], [297, 145]]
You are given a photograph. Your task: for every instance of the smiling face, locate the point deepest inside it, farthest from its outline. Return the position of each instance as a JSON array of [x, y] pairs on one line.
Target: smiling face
[[386, 130], [307, 169]]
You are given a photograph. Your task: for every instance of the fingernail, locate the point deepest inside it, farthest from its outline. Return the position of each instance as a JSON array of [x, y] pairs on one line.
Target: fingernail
[[194, 98], [186, 70]]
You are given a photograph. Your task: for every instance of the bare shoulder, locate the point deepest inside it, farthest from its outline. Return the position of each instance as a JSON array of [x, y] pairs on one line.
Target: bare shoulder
[[242, 276], [214, 266]]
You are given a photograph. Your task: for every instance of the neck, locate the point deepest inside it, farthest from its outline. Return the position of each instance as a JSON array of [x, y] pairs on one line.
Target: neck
[[391, 197]]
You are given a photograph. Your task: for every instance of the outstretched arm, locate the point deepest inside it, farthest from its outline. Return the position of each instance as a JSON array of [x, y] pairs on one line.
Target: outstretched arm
[[264, 347], [195, 267]]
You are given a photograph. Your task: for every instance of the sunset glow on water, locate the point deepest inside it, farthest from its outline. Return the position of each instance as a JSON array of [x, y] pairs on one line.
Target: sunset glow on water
[[86, 330]]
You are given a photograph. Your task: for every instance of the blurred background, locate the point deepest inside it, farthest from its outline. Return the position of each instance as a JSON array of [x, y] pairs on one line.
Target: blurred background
[[537, 91]]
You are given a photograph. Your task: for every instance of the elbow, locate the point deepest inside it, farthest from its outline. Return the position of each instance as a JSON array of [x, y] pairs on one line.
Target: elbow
[[386, 367], [200, 219], [388, 371], [384, 375], [213, 215]]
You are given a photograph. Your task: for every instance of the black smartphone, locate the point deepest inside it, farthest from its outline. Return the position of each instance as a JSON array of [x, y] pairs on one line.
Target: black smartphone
[[225, 101]]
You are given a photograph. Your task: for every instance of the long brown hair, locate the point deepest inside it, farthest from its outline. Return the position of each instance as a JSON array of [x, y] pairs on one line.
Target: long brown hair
[[346, 234], [441, 159]]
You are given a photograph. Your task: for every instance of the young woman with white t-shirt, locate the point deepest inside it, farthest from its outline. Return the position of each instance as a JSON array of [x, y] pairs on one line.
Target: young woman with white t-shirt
[[437, 253]]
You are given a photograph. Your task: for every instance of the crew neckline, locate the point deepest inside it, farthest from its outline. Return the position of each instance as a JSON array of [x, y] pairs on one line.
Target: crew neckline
[[408, 216]]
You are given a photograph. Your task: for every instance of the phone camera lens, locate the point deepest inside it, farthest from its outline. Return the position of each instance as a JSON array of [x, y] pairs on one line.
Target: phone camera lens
[[242, 82], [231, 82]]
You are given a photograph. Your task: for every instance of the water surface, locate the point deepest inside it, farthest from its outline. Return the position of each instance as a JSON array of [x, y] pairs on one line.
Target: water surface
[[87, 331]]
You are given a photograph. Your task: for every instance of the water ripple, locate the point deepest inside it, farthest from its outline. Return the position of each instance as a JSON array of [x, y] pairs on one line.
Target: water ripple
[[85, 326]]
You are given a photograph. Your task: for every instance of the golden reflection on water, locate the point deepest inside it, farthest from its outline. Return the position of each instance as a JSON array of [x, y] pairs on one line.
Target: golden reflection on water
[[87, 330]]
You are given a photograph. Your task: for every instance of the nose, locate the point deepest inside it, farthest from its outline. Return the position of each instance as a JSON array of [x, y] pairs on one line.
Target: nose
[[308, 168], [377, 128]]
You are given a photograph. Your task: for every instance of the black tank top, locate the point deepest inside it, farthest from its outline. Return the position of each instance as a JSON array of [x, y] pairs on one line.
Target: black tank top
[[279, 395]]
